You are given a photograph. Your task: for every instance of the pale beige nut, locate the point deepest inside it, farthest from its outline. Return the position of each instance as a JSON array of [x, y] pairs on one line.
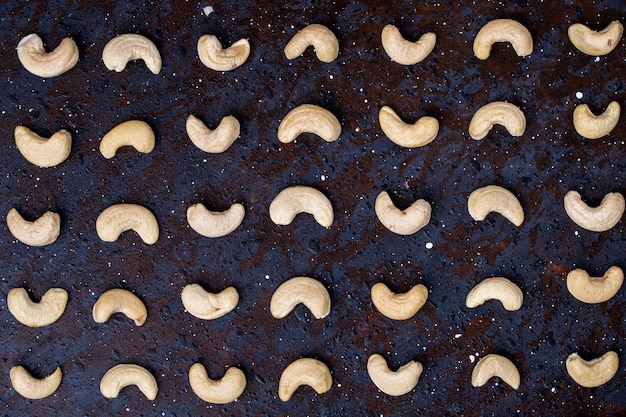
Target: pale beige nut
[[43, 231], [498, 366], [495, 288], [320, 37], [48, 310], [503, 30], [135, 133], [124, 375], [309, 118], [129, 47], [207, 305], [407, 135], [118, 300], [394, 383], [304, 371], [403, 51], [493, 198], [401, 306], [497, 113], [215, 223], [301, 199], [595, 289], [43, 152], [595, 43], [213, 141], [590, 126], [305, 290], [221, 391], [118, 218], [33, 56], [592, 373], [402, 222], [217, 58], [596, 219], [34, 388]]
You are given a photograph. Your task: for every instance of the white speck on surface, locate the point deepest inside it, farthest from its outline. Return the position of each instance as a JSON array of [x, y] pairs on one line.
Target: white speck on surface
[[429, 245], [456, 336], [597, 59], [207, 10], [472, 358], [579, 95]]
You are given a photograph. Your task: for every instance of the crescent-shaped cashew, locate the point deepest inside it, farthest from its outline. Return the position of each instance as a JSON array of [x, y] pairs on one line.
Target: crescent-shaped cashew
[[48, 310], [118, 300], [405, 52], [402, 222], [503, 30], [213, 223], [320, 37], [304, 371], [118, 218], [309, 118], [40, 151], [33, 56], [592, 373], [590, 126], [43, 231], [390, 382], [207, 305], [125, 374], [594, 43], [595, 289], [305, 290], [301, 199], [221, 391], [596, 219], [135, 133], [129, 47], [216, 58], [495, 288], [495, 365], [33, 388], [414, 135], [497, 113], [493, 198], [213, 141], [398, 306]]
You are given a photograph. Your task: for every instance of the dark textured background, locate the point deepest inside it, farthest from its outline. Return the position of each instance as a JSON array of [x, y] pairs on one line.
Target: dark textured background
[[357, 251]]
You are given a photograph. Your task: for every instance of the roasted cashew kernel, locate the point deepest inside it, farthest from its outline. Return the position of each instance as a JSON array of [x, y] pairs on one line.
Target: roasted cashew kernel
[[123, 375], [213, 141], [135, 133], [118, 300], [390, 382], [503, 30], [221, 391], [217, 58], [495, 365], [398, 306], [594, 43], [402, 222], [207, 305], [596, 219], [33, 56], [129, 47], [118, 218], [304, 371], [407, 135], [48, 310], [320, 37], [493, 198], [495, 288], [590, 126], [214, 223], [497, 113], [305, 290], [595, 289], [33, 388], [592, 373], [301, 199], [43, 231], [309, 118], [405, 52], [43, 152]]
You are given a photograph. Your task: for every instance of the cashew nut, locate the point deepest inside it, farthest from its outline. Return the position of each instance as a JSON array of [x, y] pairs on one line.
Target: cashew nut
[[123, 375], [135, 133], [213, 141], [43, 231], [214, 223], [593, 373], [497, 113], [402, 222], [301, 199], [320, 37], [43, 152], [407, 135], [503, 30], [590, 126], [495, 365], [393, 383], [596, 219], [309, 118], [48, 310], [405, 52], [129, 47], [33, 388], [493, 198], [398, 306], [215, 57], [305, 290], [33, 56], [304, 371], [221, 391], [495, 288], [118, 218], [594, 43], [207, 305], [595, 289], [118, 300]]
